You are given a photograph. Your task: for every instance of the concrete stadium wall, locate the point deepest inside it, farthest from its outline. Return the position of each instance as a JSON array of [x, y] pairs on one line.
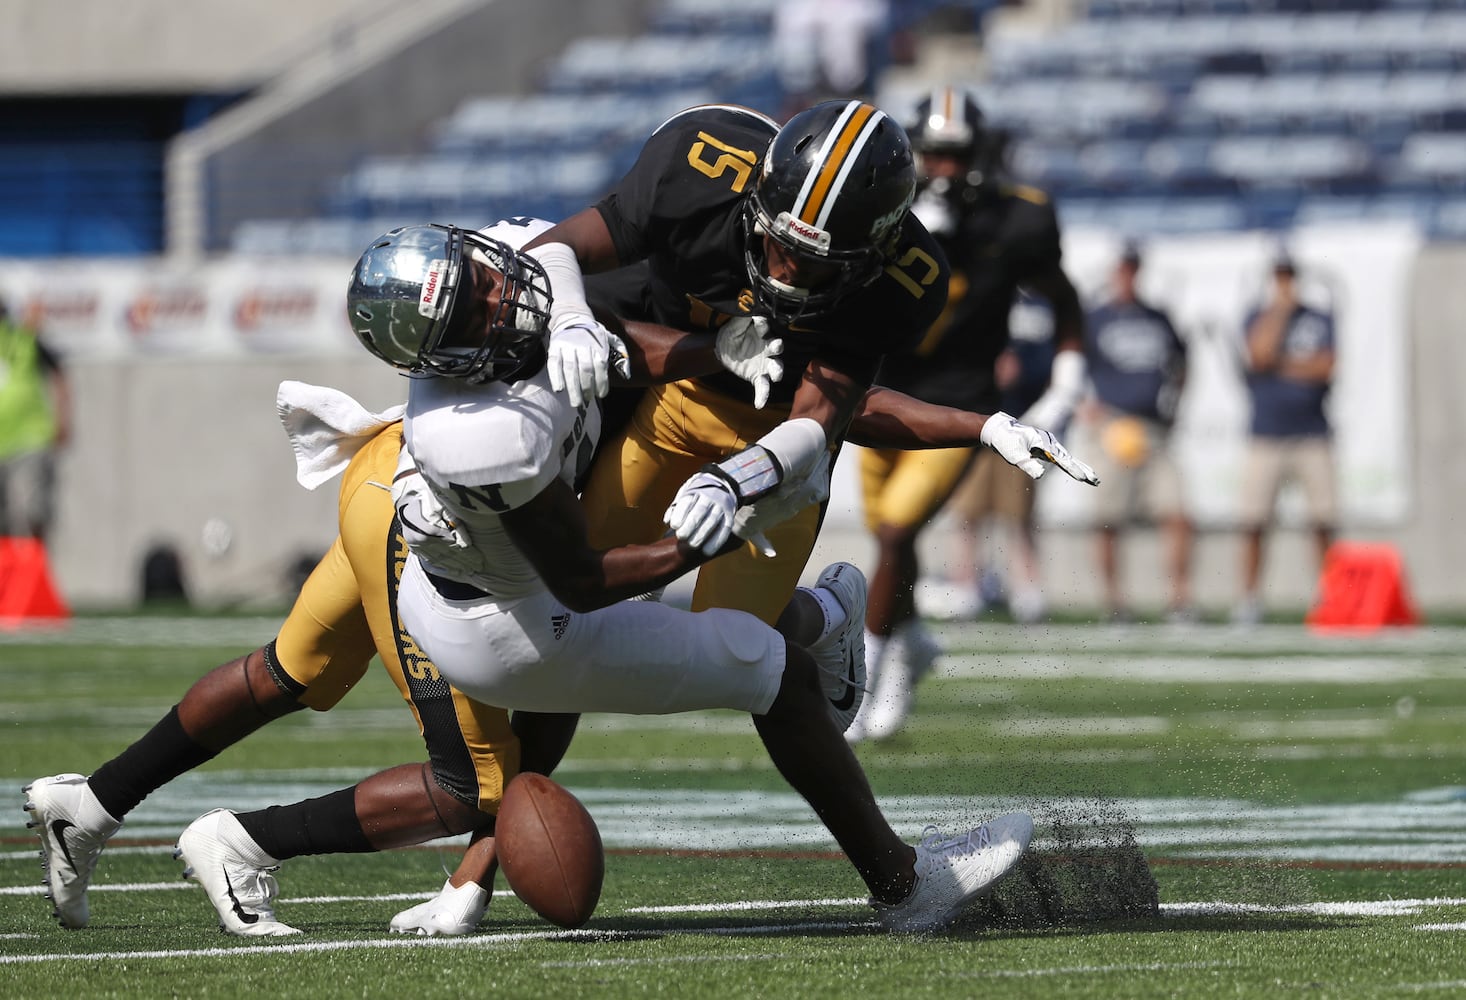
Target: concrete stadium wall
[[169, 450], [143, 46]]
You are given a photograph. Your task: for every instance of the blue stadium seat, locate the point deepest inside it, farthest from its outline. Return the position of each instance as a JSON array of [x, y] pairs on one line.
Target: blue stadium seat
[[1448, 221], [1430, 163]]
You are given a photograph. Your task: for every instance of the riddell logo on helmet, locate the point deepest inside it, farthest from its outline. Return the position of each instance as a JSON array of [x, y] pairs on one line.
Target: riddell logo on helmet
[[432, 286], [802, 231]]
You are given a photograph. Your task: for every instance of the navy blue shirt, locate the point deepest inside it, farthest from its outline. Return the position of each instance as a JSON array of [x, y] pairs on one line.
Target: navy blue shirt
[[1286, 407], [1133, 352]]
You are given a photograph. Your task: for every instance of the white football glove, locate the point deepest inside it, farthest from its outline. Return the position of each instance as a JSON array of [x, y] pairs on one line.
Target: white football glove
[[750, 522], [581, 355], [744, 349], [1029, 447], [701, 514]]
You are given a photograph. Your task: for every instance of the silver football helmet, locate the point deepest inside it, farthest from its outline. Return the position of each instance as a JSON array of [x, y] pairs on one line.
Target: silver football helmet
[[420, 299]]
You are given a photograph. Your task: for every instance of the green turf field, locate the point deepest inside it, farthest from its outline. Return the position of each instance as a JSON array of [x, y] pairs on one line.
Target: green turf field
[[1301, 801]]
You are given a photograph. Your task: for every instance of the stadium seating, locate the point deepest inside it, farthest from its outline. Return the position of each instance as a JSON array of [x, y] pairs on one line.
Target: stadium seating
[[1298, 109], [1149, 115]]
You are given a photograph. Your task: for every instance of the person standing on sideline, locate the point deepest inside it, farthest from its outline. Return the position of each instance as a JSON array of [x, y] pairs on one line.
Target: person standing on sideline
[[1137, 364], [1288, 355], [35, 423]]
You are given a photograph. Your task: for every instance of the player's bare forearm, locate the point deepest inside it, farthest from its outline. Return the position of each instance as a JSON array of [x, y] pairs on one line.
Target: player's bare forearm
[[891, 419], [585, 233], [662, 354], [550, 530], [1314, 368], [828, 396]]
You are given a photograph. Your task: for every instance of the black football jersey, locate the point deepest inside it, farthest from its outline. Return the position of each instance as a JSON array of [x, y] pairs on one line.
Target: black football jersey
[[998, 244], [680, 208]]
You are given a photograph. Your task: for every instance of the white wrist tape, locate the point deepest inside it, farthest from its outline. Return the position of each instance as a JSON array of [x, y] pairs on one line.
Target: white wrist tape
[[789, 452], [1066, 389], [566, 285]]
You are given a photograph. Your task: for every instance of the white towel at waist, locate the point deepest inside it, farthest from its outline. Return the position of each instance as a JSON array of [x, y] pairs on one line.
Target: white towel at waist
[[326, 428]]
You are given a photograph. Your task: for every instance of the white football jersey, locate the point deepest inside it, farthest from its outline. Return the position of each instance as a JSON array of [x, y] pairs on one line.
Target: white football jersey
[[472, 452]]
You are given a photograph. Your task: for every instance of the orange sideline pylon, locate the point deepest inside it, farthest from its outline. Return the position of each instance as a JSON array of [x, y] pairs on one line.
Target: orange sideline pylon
[[26, 590], [1362, 586]]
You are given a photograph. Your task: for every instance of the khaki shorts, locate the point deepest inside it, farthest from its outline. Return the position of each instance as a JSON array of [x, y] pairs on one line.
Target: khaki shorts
[[1308, 461], [1137, 473], [992, 486]]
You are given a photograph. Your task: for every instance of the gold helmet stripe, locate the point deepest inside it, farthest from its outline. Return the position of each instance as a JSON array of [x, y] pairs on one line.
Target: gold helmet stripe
[[841, 150], [949, 103]]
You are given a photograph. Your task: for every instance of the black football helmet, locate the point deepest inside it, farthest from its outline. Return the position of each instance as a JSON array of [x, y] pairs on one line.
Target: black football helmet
[[948, 120], [415, 292], [834, 186]]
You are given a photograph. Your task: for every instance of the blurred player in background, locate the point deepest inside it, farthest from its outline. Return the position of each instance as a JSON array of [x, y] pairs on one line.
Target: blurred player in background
[[993, 509], [1137, 364], [998, 236], [35, 424], [1288, 354]]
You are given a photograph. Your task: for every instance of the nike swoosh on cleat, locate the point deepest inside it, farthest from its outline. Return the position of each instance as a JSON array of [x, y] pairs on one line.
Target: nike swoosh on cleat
[[239, 911], [848, 698], [58, 830]]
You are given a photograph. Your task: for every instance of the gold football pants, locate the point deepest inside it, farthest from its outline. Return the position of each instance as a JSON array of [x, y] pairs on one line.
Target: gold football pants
[[675, 431], [347, 610], [905, 489]]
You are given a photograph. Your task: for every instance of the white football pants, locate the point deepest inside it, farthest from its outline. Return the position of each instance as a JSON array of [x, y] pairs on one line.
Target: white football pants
[[636, 657]]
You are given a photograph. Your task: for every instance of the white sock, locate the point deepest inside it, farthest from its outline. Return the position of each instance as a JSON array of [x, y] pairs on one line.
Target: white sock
[[833, 612], [875, 645], [92, 817]]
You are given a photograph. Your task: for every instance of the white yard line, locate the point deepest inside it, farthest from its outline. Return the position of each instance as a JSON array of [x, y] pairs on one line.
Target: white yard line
[[1359, 908]]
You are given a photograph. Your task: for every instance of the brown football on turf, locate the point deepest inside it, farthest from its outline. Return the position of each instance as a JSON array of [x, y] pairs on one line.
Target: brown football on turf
[[550, 850]]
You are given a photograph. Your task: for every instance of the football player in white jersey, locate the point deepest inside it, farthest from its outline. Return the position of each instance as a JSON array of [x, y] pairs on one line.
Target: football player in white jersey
[[504, 594]]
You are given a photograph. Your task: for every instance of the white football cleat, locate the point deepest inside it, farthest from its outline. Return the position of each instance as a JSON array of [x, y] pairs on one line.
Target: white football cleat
[[909, 656], [74, 828], [953, 873], [235, 873], [452, 912], [840, 655]]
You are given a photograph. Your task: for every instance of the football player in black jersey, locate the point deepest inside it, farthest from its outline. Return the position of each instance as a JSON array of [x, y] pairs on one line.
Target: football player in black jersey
[[998, 236], [803, 230]]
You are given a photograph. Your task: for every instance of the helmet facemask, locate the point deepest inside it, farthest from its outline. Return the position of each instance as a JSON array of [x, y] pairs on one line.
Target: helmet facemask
[[419, 300], [786, 302]]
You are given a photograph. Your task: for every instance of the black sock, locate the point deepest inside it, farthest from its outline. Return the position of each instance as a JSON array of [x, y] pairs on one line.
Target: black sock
[[325, 825], [164, 752]]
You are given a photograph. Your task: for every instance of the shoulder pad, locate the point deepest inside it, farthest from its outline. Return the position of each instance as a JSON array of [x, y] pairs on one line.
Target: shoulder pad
[[1026, 192], [721, 112], [517, 230]]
